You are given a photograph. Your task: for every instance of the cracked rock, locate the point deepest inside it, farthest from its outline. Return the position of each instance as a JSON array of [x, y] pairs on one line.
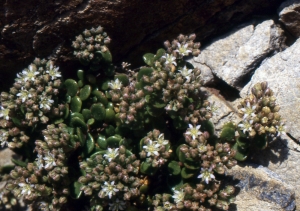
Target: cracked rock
[[289, 15], [233, 56], [261, 189]]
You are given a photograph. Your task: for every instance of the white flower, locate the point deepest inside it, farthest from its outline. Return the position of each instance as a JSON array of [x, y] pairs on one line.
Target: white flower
[[53, 72], [280, 129], [178, 196], [206, 175], [152, 148], [26, 188], [116, 84], [202, 148], [30, 74], [3, 138], [49, 161], [117, 205], [109, 189], [248, 111], [194, 131], [24, 94], [246, 126], [183, 49], [4, 112], [111, 154], [170, 59], [167, 205], [161, 140], [186, 73], [39, 162], [46, 102]]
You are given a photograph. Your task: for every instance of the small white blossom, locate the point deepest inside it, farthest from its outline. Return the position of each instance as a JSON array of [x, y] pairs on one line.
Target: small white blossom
[[202, 148], [206, 175], [178, 196], [117, 205], [3, 138], [170, 59], [49, 161], [39, 162], [183, 49], [248, 111], [167, 205], [246, 126], [53, 72], [24, 94], [194, 131], [116, 84], [152, 148], [186, 73], [161, 140], [46, 102], [30, 74], [280, 129], [4, 112], [111, 154], [26, 188], [109, 189]]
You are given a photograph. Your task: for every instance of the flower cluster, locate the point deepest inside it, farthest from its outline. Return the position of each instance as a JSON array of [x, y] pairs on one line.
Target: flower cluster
[[30, 102], [260, 112]]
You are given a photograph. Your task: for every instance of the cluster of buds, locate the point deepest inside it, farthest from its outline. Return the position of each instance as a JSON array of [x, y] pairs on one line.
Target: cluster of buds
[[46, 181], [155, 149], [111, 175], [212, 159], [90, 43], [182, 46], [132, 102], [195, 198], [260, 112], [29, 102]]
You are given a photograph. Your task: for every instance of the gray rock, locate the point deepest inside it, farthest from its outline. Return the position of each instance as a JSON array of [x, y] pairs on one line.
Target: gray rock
[[289, 15], [261, 189], [235, 55], [282, 74]]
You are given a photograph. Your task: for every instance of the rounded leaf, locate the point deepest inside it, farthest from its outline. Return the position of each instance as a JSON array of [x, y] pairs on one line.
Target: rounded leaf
[[76, 104], [98, 111], [174, 168], [72, 87], [85, 92]]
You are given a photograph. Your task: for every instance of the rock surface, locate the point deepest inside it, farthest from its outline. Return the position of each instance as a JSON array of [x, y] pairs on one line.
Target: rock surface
[[261, 189], [289, 15], [38, 28], [235, 55]]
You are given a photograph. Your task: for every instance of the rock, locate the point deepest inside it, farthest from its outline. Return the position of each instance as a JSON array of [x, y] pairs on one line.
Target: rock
[[223, 111], [281, 71], [261, 189], [233, 56], [289, 15], [39, 28], [5, 157]]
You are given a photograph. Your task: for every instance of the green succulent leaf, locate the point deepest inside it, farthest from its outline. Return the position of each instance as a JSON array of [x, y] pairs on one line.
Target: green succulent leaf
[[261, 141], [174, 168], [110, 115], [86, 113], [113, 141], [98, 111], [187, 173], [76, 104], [241, 154], [77, 122], [148, 58], [85, 92], [144, 71], [90, 144], [75, 191], [100, 97], [80, 74], [102, 142], [123, 78], [81, 136], [19, 162], [72, 87], [228, 133]]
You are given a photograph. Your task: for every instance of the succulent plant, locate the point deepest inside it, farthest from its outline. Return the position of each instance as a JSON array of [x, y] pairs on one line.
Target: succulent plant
[[123, 139]]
